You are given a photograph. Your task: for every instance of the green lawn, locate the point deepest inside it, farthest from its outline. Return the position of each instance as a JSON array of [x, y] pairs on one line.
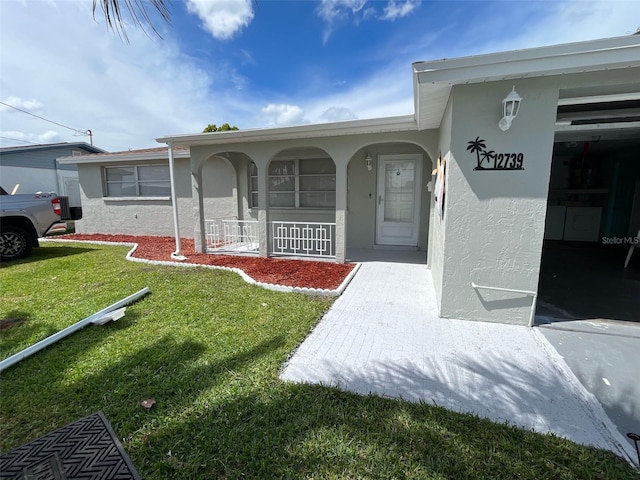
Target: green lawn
[[208, 347]]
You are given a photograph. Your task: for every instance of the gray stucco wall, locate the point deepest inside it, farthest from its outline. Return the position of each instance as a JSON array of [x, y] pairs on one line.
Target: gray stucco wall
[[437, 225], [494, 220], [129, 215], [220, 189]]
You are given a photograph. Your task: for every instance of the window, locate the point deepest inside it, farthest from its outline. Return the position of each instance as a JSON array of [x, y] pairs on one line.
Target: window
[[317, 183], [137, 181], [304, 183]]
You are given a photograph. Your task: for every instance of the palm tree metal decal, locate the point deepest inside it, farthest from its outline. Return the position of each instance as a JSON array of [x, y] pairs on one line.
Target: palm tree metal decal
[[494, 161], [476, 146], [488, 156]]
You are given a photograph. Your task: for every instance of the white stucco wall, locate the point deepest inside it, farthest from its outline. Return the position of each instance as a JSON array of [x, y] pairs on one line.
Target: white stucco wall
[[494, 220]]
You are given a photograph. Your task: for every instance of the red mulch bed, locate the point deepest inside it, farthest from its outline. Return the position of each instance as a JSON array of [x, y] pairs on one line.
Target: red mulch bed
[[291, 273]]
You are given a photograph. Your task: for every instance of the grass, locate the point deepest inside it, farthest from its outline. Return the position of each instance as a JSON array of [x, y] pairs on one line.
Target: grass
[[208, 348]]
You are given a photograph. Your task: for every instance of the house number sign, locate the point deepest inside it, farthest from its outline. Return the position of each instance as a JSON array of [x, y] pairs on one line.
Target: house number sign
[[490, 160]]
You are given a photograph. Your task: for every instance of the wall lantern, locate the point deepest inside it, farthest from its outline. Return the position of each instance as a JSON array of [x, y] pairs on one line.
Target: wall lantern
[[368, 161], [510, 107]]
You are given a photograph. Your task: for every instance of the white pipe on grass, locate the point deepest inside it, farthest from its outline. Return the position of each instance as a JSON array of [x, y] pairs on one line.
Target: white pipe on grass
[[95, 318]]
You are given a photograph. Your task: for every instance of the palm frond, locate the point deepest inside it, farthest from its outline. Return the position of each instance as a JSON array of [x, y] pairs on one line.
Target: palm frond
[[116, 13]]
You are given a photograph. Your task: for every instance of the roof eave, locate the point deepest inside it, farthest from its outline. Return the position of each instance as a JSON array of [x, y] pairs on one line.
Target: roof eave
[[136, 157], [30, 148], [353, 127], [439, 76], [592, 55]]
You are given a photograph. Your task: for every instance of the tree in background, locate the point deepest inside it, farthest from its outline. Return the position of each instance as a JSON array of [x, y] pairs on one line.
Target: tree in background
[[225, 127]]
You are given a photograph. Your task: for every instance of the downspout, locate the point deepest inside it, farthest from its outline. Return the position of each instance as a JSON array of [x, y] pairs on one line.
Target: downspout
[[177, 255]]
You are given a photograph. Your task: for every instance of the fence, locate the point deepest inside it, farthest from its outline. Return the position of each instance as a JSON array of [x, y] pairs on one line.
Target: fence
[[231, 234], [309, 239]]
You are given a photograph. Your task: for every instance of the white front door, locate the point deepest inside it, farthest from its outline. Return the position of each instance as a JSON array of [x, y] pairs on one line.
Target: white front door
[[398, 211]]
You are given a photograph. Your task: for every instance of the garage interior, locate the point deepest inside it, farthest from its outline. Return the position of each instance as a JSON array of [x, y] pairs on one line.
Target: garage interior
[[589, 269]]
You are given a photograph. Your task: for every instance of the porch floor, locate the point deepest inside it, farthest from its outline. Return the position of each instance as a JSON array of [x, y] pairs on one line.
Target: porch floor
[[386, 255], [383, 336]]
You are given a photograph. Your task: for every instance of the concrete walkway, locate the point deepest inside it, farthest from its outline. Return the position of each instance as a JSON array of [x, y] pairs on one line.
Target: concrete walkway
[[383, 336]]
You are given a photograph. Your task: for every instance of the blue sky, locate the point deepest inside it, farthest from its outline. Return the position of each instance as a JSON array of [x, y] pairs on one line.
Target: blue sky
[[253, 64]]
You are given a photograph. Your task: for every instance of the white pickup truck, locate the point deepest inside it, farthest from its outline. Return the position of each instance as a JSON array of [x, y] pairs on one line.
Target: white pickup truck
[[27, 217]]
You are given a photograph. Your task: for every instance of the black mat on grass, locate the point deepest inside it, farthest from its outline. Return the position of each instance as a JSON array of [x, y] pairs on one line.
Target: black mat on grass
[[85, 449]]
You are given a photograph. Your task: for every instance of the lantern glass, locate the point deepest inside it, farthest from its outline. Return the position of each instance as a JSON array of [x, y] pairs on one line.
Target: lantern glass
[[510, 108]]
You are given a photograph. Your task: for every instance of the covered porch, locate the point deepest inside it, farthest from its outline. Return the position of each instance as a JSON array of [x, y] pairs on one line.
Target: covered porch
[[313, 190]]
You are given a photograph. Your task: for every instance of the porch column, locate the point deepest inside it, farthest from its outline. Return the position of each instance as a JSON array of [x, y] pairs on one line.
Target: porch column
[[341, 211], [177, 255], [263, 207], [199, 233]]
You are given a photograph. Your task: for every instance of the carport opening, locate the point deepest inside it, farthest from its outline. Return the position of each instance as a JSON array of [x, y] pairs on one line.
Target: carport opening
[[592, 223]]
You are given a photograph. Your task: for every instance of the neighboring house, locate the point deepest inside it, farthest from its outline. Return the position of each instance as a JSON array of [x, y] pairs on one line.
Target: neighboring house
[[35, 169], [322, 189]]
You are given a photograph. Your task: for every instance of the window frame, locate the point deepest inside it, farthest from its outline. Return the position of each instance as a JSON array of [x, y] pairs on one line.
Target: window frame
[[297, 177], [253, 168], [136, 181]]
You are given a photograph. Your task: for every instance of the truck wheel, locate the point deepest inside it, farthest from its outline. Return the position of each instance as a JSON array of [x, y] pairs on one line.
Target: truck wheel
[[15, 243]]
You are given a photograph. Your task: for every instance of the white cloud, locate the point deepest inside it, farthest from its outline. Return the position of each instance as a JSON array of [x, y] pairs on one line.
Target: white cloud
[[246, 57], [29, 105], [128, 95], [222, 18], [337, 114], [388, 91], [283, 114], [400, 9], [369, 13], [49, 136], [334, 11], [330, 10], [559, 22]]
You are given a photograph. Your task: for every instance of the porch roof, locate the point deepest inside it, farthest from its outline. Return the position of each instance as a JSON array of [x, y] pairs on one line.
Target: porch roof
[[351, 127], [433, 80]]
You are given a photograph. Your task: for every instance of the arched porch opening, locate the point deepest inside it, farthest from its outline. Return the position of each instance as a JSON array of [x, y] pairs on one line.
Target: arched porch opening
[[301, 203], [219, 193], [388, 202]]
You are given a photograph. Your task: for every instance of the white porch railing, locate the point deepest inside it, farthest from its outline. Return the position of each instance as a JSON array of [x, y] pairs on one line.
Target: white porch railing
[[231, 234], [309, 239]]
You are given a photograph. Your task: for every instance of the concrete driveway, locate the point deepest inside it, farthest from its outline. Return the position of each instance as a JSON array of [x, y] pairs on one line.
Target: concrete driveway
[[605, 356]]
